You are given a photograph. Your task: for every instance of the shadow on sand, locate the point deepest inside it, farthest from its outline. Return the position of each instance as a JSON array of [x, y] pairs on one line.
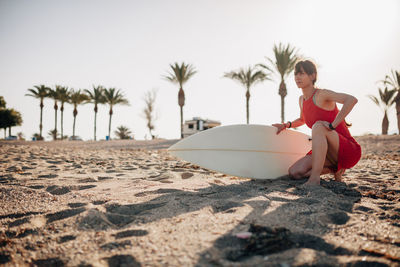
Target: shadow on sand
[[302, 217]]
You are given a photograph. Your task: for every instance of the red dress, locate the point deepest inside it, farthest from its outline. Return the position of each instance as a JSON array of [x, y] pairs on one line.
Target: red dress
[[349, 149]]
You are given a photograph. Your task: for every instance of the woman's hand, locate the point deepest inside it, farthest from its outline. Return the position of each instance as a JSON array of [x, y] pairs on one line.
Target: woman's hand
[[280, 126]]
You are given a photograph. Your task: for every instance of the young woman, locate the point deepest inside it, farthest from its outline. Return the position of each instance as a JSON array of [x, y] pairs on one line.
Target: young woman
[[333, 147]]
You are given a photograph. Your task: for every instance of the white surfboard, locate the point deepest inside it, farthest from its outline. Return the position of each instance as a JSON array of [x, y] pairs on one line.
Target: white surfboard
[[250, 151]]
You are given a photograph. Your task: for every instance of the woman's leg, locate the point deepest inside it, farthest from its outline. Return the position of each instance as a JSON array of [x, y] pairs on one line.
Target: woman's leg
[[325, 145], [301, 169]]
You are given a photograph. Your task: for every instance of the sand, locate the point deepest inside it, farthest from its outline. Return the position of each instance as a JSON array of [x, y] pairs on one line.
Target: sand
[[129, 203]]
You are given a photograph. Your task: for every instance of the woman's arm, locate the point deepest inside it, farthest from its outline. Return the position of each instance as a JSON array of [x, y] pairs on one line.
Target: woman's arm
[[348, 102], [296, 123]]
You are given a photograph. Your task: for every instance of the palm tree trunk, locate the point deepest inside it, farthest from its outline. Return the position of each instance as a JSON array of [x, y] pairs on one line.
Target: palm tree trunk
[[398, 110], [247, 105], [73, 126], [55, 121], [385, 124], [181, 103], [75, 113], [282, 109], [181, 122], [62, 122], [109, 125], [41, 117], [282, 93], [95, 120]]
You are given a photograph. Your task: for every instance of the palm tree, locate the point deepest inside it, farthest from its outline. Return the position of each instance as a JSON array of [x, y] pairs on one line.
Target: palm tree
[[64, 94], [77, 98], [180, 75], [96, 97], [52, 133], [113, 97], [394, 82], [40, 92], [55, 95], [385, 101], [123, 132], [247, 77], [283, 63]]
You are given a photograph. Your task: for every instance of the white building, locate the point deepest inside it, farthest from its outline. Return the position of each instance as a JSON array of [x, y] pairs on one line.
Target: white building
[[197, 125]]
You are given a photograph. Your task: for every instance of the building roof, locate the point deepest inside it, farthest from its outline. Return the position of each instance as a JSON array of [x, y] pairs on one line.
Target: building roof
[[195, 119]]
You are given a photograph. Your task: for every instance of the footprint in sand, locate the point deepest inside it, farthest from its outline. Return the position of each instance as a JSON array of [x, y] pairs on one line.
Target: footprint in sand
[[76, 205], [65, 238], [154, 174], [58, 190], [115, 245], [338, 217], [6, 179], [364, 209], [21, 233], [129, 168], [18, 222], [186, 175], [87, 180], [130, 233], [48, 176], [83, 187], [27, 168], [63, 214], [48, 262], [116, 216], [122, 260], [99, 202], [102, 178], [54, 162]]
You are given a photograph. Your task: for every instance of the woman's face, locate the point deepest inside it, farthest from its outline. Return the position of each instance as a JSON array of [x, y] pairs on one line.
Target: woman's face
[[303, 80]]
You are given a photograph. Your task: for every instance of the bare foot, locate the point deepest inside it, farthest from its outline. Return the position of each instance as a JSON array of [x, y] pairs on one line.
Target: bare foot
[[313, 181], [338, 175]]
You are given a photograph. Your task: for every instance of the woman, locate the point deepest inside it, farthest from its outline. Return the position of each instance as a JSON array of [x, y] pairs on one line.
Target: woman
[[333, 147]]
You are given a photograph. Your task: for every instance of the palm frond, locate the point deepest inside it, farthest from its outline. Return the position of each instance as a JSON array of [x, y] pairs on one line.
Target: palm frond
[[393, 80], [386, 98], [180, 73], [247, 77], [114, 97], [96, 96], [77, 97], [285, 58], [64, 94], [374, 99], [40, 91]]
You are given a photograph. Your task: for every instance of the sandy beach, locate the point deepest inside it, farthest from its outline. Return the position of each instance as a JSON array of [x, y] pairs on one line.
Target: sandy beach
[[129, 203]]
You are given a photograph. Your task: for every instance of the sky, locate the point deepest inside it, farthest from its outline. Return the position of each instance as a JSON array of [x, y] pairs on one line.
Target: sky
[[129, 45]]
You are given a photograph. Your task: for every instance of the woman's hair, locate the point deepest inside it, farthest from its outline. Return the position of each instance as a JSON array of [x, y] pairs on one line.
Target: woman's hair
[[307, 66]]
